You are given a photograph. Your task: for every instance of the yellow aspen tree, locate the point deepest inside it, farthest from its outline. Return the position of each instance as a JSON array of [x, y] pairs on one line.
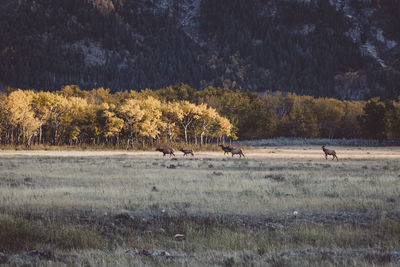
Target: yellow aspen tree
[[330, 113], [49, 108], [188, 112], [131, 112], [41, 104], [170, 115], [99, 96], [151, 124], [19, 111], [58, 106], [74, 123], [350, 126], [111, 124], [303, 122], [223, 128], [206, 116]]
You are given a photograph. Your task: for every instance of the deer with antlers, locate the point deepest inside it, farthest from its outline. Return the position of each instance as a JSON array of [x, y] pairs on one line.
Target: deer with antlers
[[232, 150], [226, 149]]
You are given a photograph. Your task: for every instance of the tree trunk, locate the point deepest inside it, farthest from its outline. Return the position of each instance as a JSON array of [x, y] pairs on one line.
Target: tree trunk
[[55, 137], [201, 138], [186, 138], [170, 131], [40, 134], [128, 143], [28, 142], [195, 136]]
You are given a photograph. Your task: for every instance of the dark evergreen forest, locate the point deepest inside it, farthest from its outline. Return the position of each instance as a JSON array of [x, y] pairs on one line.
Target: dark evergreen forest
[[257, 45]]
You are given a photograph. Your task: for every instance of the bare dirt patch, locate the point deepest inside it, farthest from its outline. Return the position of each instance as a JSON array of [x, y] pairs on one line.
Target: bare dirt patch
[[309, 152]]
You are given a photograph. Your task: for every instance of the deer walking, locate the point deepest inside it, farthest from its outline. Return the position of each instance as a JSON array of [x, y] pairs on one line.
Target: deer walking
[[187, 152], [329, 152], [237, 151], [226, 149], [166, 151]]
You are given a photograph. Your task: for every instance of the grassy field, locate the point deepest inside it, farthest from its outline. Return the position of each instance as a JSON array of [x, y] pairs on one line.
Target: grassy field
[[278, 206]]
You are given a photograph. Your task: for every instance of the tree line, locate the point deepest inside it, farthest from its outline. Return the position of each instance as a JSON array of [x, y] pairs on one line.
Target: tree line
[[75, 117], [180, 113]]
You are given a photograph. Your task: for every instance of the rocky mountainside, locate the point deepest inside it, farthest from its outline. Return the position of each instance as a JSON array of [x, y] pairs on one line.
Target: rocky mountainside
[[343, 48]]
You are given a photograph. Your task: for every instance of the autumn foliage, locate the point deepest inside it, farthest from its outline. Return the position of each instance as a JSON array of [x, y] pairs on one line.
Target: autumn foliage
[[76, 117], [182, 114]]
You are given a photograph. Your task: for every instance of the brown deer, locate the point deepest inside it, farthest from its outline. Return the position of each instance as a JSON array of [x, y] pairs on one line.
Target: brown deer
[[329, 152], [165, 151], [237, 151], [226, 149], [187, 152]]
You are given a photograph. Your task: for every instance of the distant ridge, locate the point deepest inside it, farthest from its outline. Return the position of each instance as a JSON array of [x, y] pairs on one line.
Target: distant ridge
[[338, 48]]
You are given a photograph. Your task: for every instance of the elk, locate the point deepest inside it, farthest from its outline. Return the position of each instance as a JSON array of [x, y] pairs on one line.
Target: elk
[[187, 152], [226, 149], [329, 152], [165, 151], [237, 151]]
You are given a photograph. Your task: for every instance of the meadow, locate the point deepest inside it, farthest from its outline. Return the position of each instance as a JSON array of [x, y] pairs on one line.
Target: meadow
[[278, 206]]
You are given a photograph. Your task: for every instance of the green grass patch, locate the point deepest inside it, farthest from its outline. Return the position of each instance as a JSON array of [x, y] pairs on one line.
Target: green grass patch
[[383, 233], [18, 235]]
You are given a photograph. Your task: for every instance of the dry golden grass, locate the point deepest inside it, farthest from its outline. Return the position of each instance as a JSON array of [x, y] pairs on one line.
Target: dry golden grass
[[279, 206]]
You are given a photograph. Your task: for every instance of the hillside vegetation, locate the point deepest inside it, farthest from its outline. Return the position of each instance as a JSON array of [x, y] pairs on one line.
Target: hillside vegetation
[[347, 49]]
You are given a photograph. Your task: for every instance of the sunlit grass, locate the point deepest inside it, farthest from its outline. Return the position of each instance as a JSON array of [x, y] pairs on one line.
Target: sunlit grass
[[63, 202]]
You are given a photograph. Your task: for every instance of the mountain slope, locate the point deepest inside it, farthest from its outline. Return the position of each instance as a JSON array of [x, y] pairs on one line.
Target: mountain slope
[[341, 48]]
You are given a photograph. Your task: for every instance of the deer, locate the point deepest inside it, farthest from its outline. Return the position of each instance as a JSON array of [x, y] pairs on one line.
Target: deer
[[226, 149], [187, 152], [237, 151], [329, 152], [166, 151]]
